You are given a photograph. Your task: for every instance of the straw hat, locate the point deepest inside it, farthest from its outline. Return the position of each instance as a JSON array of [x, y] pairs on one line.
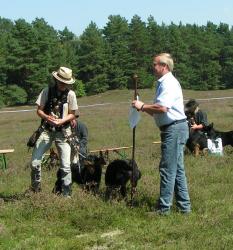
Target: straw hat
[[64, 75]]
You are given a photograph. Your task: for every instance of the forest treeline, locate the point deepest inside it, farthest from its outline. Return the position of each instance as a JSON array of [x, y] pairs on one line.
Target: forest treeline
[[106, 59]]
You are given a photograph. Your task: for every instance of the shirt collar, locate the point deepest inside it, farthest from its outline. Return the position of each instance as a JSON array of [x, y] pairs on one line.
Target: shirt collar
[[164, 76]]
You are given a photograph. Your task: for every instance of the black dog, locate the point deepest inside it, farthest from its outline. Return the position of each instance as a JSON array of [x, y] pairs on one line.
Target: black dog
[[197, 140], [118, 173], [227, 136], [88, 175], [51, 161]]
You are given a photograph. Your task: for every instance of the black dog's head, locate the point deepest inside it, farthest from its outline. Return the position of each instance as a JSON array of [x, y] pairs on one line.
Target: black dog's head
[[210, 131], [93, 161], [135, 173]]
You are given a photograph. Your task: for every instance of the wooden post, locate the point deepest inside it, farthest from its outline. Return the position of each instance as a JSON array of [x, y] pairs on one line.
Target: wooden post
[[135, 80]]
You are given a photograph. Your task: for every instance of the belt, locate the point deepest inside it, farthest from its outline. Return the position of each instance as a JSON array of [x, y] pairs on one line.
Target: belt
[[173, 123]]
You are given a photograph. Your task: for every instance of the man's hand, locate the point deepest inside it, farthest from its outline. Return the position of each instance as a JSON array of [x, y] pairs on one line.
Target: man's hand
[[54, 121], [196, 127], [137, 104]]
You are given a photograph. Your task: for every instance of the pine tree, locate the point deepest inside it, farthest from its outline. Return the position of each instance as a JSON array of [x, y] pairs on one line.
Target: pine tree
[[92, 60], [120, 60]]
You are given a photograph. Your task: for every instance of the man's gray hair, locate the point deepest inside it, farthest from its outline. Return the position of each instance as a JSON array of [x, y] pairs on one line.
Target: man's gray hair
[[166, 58]]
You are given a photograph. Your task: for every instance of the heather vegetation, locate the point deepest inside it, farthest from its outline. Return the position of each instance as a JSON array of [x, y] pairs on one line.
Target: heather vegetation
[[45, 221]]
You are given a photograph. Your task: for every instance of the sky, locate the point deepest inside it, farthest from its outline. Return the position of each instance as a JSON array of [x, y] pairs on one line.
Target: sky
[[76, 15]]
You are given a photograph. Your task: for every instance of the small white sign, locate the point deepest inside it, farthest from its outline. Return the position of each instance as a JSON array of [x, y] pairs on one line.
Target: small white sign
[[215, 146], [134, 117]]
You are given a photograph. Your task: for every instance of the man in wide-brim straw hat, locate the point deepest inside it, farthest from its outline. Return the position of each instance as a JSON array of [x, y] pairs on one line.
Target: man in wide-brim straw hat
[[56, 106], [64, 75]]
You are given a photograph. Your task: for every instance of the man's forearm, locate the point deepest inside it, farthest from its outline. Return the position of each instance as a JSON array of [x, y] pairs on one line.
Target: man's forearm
[[68, 118], [42, 114], [152, 109]]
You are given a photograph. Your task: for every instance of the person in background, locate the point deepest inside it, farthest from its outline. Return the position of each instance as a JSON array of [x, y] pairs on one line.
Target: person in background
[[197, 118], [80, 130], [168, 113], [56, 107]]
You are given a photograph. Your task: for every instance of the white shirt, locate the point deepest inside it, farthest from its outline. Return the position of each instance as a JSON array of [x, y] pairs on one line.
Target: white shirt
[[169, 94]]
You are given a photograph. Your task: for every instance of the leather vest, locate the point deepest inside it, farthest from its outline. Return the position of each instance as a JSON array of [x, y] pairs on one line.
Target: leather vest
[[54, 105]]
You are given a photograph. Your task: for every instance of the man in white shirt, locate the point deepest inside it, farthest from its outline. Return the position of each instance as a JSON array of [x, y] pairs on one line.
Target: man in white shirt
[[168, 113]]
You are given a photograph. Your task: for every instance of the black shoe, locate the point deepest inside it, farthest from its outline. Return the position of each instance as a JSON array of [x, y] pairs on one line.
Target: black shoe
[[36, 188], [66, 191], [184, 212]]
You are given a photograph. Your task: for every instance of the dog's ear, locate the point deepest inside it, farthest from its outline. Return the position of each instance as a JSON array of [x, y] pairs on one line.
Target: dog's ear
[[101, 160], [101, 154]]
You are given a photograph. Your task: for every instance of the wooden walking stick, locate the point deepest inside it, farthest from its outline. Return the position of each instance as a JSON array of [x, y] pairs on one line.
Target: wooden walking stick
[[133, 186]]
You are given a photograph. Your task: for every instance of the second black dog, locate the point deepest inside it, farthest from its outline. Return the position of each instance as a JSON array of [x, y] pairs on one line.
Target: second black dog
[[118, 173]]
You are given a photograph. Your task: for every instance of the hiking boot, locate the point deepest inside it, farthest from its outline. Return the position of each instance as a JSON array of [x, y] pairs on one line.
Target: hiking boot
[[66, 191], [36, 188], [184, 212]]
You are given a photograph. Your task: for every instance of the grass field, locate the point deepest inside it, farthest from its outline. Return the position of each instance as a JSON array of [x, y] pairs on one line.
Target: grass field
[[45, 221]]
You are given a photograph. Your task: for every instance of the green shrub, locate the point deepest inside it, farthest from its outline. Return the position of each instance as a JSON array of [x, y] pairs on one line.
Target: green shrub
[[79, 88], [14, 95]]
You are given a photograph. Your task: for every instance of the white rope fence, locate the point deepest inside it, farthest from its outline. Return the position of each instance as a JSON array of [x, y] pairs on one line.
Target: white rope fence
[[109, 103]]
